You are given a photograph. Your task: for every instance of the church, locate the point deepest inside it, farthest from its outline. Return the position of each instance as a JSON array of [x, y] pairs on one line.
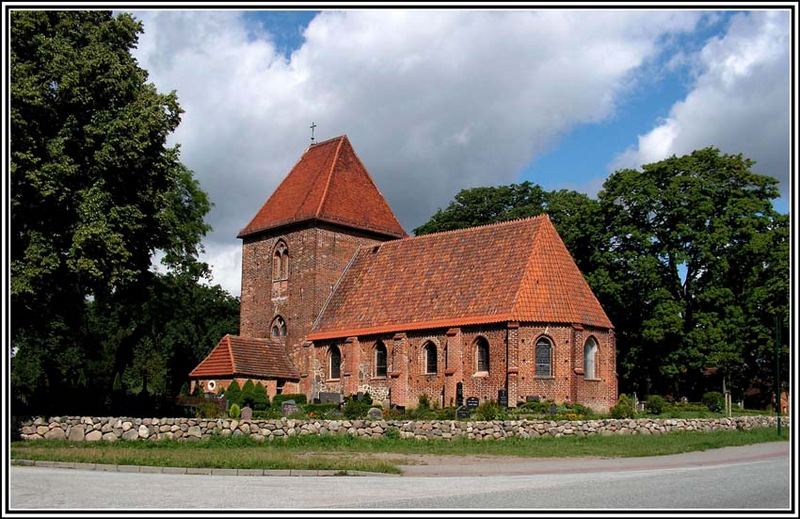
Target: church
[[337, 299]]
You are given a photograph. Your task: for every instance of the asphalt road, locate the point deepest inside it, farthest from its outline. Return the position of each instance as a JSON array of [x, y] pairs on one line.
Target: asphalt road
[[751, 477]]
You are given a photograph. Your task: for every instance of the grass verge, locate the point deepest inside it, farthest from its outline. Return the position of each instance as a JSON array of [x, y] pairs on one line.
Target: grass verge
[[346, 453]]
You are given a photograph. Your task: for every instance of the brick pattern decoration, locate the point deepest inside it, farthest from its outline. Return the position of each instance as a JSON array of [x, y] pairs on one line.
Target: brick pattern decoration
[[329, 183], [511, 271]]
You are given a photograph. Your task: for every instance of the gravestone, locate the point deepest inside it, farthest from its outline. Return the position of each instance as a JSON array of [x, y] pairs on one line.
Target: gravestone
[[553, 409], [459, 394], [330, 398], [472, 402], [375, 413], [247, 414], [502, 397], [463, 412], [533, 398], [288, 407]]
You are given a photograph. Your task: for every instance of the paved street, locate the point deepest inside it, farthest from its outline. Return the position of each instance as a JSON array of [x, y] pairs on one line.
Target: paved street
[[751, 477]]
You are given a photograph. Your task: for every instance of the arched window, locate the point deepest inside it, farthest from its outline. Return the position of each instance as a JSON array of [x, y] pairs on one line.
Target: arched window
[[380, 360], [590, 358], [544, 358], [278, 327], [280, 261], [430, 358], [334, 362], [481, 354]]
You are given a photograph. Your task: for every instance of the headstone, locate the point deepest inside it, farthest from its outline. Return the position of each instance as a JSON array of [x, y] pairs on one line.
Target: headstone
[[553, 409], [463, 412], [288, 407], [459, 394], [472, 402], [502, 397], [375, 413], [247, 414], [330, 398], [533, 398]]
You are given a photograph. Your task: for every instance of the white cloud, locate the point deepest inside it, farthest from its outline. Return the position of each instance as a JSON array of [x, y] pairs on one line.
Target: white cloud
[[433, 101], [739, 100]]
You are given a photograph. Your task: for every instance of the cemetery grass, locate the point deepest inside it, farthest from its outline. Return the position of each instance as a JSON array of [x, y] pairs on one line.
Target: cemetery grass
[[346, 453]]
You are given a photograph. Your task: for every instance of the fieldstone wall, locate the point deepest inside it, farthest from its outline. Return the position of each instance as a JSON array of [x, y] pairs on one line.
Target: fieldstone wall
[[85, 428]]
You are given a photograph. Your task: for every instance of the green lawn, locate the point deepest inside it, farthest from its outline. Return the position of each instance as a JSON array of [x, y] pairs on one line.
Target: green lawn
[[376, 455]]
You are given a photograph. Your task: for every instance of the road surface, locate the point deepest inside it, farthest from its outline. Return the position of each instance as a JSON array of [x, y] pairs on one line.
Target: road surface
[[733, 478]]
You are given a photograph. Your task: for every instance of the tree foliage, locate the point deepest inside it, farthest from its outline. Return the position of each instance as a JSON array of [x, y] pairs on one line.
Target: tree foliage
[[95, 194], [687, 256]]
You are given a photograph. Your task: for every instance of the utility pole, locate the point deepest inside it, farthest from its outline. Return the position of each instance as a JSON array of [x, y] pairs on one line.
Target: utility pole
[[778, 372]]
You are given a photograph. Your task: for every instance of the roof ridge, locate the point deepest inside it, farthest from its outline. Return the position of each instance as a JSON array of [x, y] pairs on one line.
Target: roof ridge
[[326, 141], [371, 181], [467, 229], [207, 356], [227, 338], [335, 287], [330, 176], [534, 242]]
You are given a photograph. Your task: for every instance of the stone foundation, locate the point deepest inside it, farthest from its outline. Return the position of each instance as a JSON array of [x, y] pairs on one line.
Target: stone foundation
[[77, 428]]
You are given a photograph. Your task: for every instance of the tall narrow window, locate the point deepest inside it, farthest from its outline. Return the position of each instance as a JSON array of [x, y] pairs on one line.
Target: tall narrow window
[[590, 358], [335, 362], [544, 358], [278, 327], [430, 358], [380, 360], [277, 261], [482, 355], [280, 269]]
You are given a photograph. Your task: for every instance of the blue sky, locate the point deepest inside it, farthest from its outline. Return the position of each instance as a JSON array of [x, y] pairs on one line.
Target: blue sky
[[580, 158], [438, 101]]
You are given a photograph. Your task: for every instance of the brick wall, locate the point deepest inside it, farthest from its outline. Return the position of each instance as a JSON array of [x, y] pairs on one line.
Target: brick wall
[[317, 257], [456, 362]]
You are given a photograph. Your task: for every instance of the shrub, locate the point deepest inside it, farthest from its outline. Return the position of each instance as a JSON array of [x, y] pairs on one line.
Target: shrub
[[234, 412], [268, 414], [248, 396], [392, 433], [490, 410], [299, 399], [424, 403], [354, 408], [198, 391], [233, 393], [183, 392], [208, 409], [714, 401], [623, 408], [655, 404], [260, 398]]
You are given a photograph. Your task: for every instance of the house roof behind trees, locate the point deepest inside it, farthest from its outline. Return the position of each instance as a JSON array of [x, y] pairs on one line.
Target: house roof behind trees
[[246, 356]]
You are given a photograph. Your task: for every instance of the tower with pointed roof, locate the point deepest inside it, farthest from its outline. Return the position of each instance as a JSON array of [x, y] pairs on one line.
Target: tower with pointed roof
[[336, 299], [297, 245]]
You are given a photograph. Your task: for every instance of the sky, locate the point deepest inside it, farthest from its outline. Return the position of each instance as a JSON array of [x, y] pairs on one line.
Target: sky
[[438, 101]]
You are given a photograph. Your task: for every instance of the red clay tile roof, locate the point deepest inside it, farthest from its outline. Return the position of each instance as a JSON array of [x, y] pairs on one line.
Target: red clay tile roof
[[510, 271], [329, 183], [249, 356]]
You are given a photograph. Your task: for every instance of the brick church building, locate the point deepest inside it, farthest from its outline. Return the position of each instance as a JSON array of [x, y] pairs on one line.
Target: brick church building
[[337, 298]]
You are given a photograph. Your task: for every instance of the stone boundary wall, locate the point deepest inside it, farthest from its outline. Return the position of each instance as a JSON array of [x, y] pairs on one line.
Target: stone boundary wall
[[85, 428]]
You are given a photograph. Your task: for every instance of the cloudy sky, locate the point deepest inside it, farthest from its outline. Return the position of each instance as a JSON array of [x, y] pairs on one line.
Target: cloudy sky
[[437, 101]]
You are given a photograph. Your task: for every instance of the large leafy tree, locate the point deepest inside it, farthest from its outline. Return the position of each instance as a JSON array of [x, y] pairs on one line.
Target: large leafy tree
[[696, 266], [95, 190], [687, 256]]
